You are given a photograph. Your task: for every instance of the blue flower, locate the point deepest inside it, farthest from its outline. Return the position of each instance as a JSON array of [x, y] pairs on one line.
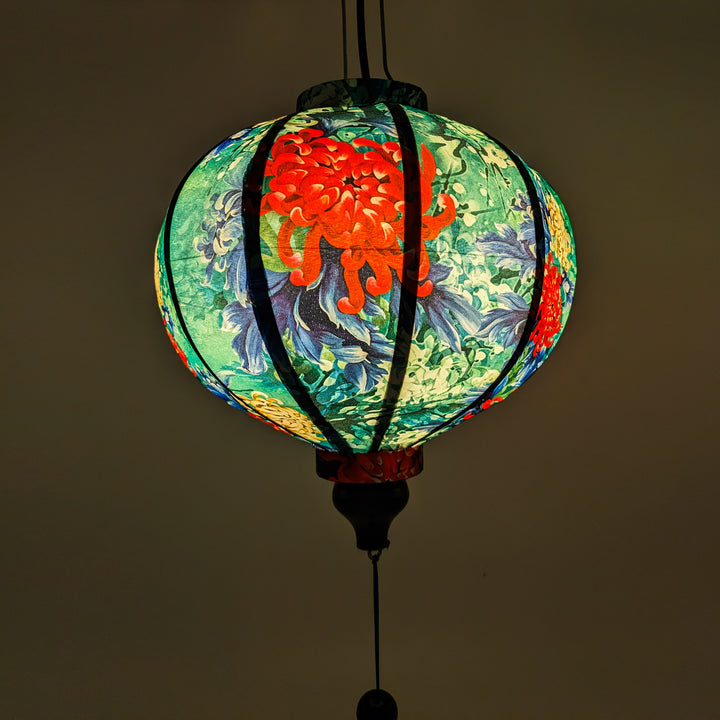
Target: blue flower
[[216, 388], [522, 203], [505, 324], [513, 249], [221, 230], [247, 343], [447, 312], [167, 318], [350, 339], [339, 120]]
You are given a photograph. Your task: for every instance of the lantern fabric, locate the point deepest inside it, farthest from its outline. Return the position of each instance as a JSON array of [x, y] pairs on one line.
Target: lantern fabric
[[364, 274], [370, 467]]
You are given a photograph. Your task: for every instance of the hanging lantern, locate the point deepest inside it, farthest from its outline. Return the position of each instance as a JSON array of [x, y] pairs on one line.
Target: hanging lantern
[[364, 275]]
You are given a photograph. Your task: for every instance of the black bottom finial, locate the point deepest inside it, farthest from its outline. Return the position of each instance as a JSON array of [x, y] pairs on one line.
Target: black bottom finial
[[371, 508], [377, 705]]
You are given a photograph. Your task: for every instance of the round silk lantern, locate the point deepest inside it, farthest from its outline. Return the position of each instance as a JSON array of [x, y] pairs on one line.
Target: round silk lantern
[[364, 274]]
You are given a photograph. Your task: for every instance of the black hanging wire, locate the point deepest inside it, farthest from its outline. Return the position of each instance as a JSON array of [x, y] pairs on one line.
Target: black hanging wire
[[384, 44], [362, 41], [374, 556], [344, 37]]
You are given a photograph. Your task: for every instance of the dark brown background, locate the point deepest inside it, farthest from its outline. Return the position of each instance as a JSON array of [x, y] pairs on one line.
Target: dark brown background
[[167, 558]]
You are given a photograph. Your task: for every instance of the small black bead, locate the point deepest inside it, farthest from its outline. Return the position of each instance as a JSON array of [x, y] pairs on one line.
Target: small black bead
[[377, 705]]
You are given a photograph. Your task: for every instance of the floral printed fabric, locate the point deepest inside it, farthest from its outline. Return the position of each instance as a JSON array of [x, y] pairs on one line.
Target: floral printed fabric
[[370, 467], [331, 228]]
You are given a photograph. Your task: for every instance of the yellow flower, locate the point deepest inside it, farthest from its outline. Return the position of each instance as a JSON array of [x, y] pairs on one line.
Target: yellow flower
[[156, 273], [560, 240], [287, 418]]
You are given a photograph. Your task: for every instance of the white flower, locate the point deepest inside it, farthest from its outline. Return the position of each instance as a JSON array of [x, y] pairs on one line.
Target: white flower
[[495, 156]]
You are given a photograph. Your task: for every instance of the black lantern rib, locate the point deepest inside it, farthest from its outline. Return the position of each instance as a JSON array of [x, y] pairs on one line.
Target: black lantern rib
[[171, 281], [534, 310], [412, 218], [260, 294], [168, 266]]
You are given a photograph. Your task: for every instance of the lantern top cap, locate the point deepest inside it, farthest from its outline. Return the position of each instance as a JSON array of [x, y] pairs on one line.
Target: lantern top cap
[[355, 92]]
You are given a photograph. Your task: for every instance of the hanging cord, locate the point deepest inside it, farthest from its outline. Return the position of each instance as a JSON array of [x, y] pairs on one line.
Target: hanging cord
[[362, 41], [374, 556], [344, 36], [384, 44]]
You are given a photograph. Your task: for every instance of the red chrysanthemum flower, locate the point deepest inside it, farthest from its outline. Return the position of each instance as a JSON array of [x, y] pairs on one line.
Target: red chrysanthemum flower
[[491, 401], [383, 466], [178, 349], [351, 194], [549, 321]]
